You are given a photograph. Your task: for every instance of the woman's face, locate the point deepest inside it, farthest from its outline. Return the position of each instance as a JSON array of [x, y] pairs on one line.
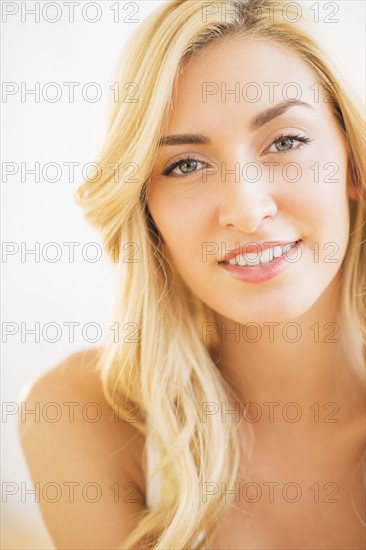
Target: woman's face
[[247, 184]]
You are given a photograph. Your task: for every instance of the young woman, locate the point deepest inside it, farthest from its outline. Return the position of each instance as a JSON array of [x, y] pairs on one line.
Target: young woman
[[236, 370]]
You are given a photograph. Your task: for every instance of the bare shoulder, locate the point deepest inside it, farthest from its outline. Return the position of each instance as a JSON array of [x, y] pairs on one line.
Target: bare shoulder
[[86, 463]]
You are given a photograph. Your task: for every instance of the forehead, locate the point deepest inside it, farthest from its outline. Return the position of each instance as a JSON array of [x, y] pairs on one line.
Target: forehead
[[235, 74]]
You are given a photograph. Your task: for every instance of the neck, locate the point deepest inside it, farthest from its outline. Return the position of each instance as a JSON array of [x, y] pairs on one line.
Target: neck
[[308, 360]]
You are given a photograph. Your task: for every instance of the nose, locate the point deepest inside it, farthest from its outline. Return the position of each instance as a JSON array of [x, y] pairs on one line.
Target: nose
[[245, 202]]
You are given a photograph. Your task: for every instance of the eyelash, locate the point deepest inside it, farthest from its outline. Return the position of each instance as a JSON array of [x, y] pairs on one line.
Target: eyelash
[[297, 137]]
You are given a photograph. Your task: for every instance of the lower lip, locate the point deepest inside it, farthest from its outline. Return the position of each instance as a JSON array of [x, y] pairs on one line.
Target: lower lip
[[259, 274]]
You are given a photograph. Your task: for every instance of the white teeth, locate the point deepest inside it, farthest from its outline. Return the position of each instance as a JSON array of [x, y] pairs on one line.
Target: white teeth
[[277, 251], [252, 258], [258, 258], [267, 255], [237, 260]]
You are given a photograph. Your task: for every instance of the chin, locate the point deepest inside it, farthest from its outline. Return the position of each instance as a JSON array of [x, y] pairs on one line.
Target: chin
[[286, 310]]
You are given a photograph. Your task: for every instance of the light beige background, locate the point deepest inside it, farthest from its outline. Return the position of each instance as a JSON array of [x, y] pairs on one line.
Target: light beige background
[[44, 212]]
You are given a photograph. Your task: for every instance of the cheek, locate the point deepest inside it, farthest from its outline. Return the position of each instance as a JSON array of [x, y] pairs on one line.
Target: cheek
[[181, 219], [185, 223], [327, 239], [319, 199]]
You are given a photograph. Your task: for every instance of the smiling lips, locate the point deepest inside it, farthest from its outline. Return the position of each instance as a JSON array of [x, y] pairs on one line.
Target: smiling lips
[[256, 254]]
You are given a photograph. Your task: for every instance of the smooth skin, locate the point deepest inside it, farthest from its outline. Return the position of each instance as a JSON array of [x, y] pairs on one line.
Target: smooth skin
[[76, 450], [194, 210], [191, 211], [195, 205]]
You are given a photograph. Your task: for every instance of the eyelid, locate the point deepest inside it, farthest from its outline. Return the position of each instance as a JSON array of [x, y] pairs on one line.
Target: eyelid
[[284, 131], [172, 165], [295, 136], [280, 134]]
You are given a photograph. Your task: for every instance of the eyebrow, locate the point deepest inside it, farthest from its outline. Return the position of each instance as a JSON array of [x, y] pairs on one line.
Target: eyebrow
[[257, 122]]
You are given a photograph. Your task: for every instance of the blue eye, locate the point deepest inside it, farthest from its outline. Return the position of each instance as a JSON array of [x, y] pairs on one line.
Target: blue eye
[[187, 165], [288, 140]]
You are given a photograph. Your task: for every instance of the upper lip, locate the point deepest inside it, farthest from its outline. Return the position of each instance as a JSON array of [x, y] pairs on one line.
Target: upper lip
[[255, 247]]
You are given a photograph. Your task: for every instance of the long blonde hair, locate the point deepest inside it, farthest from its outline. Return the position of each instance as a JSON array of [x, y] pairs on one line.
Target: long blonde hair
[[159, 364]]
